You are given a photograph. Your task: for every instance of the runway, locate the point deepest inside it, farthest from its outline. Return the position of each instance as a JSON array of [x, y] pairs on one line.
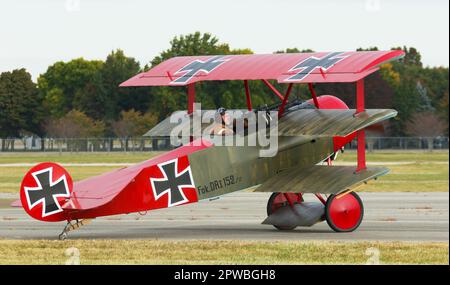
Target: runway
[[398, 216]]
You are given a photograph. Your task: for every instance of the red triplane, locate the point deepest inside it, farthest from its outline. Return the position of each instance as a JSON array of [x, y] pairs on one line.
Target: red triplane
[[309, 135]]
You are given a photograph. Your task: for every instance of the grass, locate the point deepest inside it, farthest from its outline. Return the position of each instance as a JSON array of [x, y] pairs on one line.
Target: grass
[[417, 177], [81, 157], [219, 252], [395, 156], [425, 172], [11, 177]]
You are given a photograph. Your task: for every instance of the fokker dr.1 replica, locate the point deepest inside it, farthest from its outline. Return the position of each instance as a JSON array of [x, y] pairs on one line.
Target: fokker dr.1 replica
[[309, 135]]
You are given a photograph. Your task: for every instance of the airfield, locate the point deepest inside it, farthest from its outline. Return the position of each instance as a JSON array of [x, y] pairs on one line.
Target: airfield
[[407, 208], [388, 217]]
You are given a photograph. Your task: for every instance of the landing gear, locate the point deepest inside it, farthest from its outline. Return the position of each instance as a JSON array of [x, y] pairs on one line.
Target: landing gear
[[62, 236], [278, 200], [72, 226], [344, 213]]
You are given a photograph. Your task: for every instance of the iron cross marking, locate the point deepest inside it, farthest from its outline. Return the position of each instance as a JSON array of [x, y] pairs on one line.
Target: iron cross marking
[[193, 68], [308, 65], [47, 191], [172, 183]]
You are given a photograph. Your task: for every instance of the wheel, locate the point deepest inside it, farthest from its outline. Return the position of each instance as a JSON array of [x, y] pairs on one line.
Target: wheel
[[344, 214], [278, 200]]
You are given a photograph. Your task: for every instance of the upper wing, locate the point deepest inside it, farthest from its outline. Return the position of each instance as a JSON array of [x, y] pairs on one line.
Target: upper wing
[[320, 179], [285, 68]]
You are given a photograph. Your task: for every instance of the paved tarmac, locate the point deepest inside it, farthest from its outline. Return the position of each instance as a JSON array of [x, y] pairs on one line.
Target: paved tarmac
[[238, 216]]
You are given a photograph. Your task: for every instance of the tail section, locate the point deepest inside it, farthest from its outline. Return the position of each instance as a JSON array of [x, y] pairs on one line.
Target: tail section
[[44, 189]]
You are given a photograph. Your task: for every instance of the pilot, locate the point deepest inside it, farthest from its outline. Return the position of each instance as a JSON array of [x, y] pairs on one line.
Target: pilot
[[223, 127]]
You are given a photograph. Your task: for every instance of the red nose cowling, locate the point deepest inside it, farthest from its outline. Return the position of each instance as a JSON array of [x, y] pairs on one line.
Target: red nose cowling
[[332, 102]]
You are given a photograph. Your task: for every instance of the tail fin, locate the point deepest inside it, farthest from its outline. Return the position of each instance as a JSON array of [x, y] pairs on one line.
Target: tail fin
[[44, 189]]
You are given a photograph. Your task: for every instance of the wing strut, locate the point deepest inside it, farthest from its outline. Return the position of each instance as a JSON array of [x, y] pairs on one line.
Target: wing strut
[[285, 99], [361, 135], [247, 95], [313, 95], [191, 97], [274, 90]]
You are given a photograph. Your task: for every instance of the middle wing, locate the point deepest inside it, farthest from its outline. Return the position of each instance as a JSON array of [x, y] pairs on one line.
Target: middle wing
[[329, 122], [304, 122]]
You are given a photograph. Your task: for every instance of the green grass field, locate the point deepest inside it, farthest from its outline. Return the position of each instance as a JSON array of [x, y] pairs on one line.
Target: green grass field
[[410, 171], [81, 157], [220, 252]]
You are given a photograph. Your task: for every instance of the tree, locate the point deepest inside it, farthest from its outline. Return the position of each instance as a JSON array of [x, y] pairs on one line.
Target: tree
[[63, 81], [294, 50], [20, 105], [192, 44], [133, 123], [374, 48], [412, 56], [117, 69], [426, 124], [443, 104], [75, 124]]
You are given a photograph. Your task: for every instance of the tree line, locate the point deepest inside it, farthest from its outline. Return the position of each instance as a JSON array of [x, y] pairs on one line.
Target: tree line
[[81, 98]]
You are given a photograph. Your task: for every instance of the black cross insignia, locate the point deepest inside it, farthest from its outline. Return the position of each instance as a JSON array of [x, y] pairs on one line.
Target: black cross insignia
[[47, 191], [308, 65], [172, 183], [197, 66]]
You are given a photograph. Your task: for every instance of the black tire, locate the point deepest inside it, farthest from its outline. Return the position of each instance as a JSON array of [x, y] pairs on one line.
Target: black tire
[[269, 212], [330, 220]]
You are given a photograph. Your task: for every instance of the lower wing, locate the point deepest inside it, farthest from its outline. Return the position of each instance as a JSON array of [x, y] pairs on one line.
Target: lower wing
[[320, 179]]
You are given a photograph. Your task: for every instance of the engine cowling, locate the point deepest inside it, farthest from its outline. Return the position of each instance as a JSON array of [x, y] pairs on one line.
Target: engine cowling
[[333, 102]]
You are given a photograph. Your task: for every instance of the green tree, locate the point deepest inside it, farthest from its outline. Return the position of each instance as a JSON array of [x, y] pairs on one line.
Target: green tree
[[62, 81], [294, 50], [20, 104], [192, 44], [133, 123], [117, 69], [412, 56], [367, 49], [75, 124]]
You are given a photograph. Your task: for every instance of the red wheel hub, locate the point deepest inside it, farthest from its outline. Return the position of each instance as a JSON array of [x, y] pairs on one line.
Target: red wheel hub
[[345, 212]]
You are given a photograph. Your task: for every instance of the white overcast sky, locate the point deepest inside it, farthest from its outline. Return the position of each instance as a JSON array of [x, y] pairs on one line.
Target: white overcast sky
[[37, 33]]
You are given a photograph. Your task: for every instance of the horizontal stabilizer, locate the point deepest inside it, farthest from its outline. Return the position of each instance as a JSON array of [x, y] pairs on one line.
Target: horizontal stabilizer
[[320, 179]]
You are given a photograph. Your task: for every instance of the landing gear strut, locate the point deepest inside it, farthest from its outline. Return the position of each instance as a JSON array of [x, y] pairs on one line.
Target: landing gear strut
[[278, 200], [343, 212], [72, 226]]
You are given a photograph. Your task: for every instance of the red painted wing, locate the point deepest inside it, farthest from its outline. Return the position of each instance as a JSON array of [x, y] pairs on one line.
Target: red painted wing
[[285, 68]]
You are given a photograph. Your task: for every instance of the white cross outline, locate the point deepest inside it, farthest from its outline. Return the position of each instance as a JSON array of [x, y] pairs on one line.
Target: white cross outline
[[173, 82], [39, 187], [167, 191], [338, 56]]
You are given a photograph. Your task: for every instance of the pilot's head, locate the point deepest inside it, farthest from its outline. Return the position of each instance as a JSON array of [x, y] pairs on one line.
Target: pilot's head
[[222, 112]]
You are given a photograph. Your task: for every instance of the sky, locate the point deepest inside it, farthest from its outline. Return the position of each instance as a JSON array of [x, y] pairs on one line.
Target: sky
[[36, 33]]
